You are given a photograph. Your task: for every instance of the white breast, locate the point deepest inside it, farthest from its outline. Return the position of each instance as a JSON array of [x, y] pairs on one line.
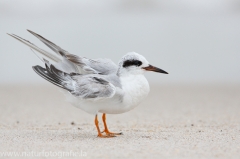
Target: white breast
[[136, 88]]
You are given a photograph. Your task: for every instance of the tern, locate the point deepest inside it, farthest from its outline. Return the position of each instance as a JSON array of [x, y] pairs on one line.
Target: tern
[[95, 85]]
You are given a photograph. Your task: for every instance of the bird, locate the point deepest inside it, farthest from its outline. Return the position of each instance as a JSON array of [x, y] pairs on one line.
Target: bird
[[94, 85]]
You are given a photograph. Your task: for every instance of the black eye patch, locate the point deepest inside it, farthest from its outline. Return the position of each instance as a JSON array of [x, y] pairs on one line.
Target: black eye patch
[[132, 63]]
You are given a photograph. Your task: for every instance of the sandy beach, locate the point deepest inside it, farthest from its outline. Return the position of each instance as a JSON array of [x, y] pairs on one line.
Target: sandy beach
[[173, 122]]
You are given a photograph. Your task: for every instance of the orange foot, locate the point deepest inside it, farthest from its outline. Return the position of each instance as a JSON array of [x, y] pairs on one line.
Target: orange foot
[[108, 133], [105, 136]]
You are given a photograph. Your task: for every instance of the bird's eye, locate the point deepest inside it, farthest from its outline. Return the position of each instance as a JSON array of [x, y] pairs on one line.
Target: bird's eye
[[138, 63]]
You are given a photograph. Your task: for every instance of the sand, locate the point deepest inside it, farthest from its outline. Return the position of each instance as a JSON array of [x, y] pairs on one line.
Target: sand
[[173, 122]]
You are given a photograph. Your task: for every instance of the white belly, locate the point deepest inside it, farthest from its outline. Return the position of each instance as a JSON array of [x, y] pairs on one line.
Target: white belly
[[135, 88]]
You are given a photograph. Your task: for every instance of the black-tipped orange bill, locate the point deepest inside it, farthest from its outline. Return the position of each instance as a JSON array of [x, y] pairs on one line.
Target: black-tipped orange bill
[[154, 69]]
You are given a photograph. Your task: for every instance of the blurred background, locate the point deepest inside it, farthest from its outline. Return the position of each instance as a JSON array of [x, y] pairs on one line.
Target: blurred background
[[196, 41], [191, 112]]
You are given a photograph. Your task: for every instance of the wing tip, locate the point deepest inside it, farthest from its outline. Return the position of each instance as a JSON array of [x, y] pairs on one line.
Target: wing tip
[[35, 34], [10, 34], [30, 31]]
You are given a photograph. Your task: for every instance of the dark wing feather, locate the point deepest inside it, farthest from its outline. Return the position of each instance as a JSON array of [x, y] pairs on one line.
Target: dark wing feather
[[83, 86], [49, 77]]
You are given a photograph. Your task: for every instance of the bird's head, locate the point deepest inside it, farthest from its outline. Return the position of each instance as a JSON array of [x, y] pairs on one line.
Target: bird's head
[[134, 63]]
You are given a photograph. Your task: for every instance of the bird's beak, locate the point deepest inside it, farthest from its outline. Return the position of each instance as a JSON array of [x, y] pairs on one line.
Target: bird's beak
[[154, 69]]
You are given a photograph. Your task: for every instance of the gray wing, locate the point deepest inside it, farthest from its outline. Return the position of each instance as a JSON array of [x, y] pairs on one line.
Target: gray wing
[[93, 87], [83, 86], [50, 44], [68, 62], [85, 65], [34, 47], [96, 66]]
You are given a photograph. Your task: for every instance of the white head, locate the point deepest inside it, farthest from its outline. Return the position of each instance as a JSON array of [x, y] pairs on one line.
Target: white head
[[134, 63]]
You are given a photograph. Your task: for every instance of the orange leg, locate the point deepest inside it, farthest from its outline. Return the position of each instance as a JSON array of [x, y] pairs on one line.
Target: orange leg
[[99, 132], [106, 128]]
